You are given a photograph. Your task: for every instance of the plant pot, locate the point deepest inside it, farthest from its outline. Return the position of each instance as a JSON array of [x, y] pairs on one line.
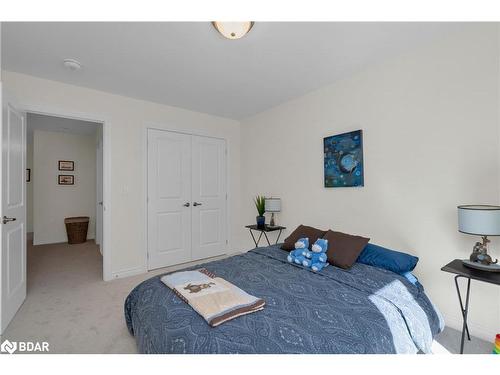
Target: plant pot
[[261, 222]]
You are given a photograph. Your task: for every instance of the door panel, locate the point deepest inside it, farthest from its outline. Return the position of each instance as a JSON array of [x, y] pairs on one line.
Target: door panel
[[172, 221], [209, 189], [99, 192], [15, 170], [170, 168], [169, 184], [13, 254], [209, 172], [209, 225], [15, 259]]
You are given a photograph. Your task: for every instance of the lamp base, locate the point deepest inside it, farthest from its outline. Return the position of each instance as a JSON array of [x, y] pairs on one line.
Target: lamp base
[[480, 266], [480, 253]]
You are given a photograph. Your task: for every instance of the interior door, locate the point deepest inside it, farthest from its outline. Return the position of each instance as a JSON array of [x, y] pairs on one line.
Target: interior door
[[99, 192], [169, 198], [13, 212], [209, 197]]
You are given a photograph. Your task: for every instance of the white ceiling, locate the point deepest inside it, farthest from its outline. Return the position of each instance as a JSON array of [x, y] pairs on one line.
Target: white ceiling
[[37, 121], [189, 65]]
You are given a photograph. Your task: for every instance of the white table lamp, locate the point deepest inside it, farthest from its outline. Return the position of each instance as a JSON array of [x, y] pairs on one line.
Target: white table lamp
[[480, 220], [272, 205]]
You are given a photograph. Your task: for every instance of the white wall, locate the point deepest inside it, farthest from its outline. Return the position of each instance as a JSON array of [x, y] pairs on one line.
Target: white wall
[[127, 119], [430, 123], [54, 202]]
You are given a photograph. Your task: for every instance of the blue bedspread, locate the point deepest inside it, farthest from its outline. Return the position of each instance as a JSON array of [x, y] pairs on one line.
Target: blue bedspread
[[360, 310]]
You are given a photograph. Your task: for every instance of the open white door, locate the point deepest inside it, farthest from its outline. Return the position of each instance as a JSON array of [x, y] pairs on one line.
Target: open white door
[[99, 191], [13, 213]]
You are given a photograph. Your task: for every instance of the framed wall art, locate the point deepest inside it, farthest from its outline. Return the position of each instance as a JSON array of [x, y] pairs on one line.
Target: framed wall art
[[66, 179], [66, 165], [343, 159]]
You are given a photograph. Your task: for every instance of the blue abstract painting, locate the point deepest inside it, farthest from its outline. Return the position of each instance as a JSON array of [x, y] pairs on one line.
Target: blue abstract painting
[[343, 161]]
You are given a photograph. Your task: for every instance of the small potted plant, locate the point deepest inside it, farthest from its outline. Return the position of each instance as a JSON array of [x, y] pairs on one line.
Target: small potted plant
[[260, 204]]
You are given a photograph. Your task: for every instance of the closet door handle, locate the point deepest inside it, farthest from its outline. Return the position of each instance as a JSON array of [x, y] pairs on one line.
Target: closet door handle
[[186, 204], [196, 204]]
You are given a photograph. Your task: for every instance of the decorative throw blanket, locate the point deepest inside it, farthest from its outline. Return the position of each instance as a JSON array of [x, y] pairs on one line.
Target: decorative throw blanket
[[215, 299]]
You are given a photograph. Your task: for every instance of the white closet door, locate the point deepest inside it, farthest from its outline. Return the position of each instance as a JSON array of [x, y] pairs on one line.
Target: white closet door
[[169, 203], [208, 197]]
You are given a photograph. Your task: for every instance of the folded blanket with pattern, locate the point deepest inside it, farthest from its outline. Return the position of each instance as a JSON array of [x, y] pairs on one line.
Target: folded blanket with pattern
[[214, 298]]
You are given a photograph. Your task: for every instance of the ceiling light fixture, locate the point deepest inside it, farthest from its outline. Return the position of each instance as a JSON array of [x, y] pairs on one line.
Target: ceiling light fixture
[[72, 65], [233, 30]]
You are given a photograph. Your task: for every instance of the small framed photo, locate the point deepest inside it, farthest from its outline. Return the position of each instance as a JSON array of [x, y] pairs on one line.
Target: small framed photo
[[66, 179], [66, 165], [28, 174]]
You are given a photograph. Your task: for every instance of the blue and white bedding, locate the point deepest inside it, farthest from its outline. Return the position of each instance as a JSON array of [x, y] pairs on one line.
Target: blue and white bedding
[[360, 310]]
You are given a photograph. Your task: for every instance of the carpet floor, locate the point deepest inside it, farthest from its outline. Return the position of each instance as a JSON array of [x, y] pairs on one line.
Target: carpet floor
[[69, 306]]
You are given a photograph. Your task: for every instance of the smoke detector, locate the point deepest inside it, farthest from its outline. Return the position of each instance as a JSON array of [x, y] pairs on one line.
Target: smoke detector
[[72, 64]]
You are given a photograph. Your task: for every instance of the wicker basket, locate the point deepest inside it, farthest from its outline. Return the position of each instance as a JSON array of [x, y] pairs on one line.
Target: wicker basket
[[76, 228]]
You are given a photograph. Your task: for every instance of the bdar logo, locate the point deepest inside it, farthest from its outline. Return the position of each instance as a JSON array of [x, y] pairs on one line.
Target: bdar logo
[[24, 346], [8, 347]]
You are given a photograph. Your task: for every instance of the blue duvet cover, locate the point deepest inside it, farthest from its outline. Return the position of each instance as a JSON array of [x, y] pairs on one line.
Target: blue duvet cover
[[360, 310]]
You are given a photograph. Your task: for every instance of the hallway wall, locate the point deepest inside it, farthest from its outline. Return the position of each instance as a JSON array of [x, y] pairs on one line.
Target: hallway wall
[[54, 202]]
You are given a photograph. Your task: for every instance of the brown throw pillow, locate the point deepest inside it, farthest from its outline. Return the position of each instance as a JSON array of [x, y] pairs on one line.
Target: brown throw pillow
[[344, 249], [302, 231]]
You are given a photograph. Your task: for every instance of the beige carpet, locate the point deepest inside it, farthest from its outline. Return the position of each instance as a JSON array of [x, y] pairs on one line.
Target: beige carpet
[[69, 306]]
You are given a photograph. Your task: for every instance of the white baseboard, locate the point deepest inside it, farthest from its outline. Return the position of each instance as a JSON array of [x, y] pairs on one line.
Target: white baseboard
[[51, 242], [477, 330], [127, 272]]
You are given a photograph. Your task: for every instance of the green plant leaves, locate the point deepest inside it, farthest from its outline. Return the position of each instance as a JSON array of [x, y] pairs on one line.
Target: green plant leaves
[[260, 204]]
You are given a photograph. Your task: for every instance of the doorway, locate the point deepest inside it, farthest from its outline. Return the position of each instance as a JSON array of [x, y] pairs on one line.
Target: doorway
[[64, 177], [63, 180], [14, 269]]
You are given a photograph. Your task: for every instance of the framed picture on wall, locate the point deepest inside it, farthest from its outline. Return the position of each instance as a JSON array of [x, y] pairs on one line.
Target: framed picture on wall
[[66, 179], [28, 175], [343, 160], [66, 165]]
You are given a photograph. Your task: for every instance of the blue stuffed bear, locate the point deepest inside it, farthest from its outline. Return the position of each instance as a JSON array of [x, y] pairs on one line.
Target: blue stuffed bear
[[298, 255], [316, 259]]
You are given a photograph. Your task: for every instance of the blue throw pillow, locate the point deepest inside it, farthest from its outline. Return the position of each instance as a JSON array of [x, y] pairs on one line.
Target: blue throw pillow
[[391, 260]]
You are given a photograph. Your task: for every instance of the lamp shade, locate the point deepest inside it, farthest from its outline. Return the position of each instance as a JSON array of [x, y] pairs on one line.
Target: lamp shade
[[273, 204], [482, 220]]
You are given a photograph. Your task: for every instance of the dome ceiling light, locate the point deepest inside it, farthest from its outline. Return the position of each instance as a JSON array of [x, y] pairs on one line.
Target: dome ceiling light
[[233, 30]]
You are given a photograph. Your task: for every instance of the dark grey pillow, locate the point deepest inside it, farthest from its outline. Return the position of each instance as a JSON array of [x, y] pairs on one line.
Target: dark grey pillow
[[344, 249], [302, 231]]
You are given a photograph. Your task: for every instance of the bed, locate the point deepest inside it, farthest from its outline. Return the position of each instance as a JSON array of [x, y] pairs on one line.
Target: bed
[[361, 310]]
